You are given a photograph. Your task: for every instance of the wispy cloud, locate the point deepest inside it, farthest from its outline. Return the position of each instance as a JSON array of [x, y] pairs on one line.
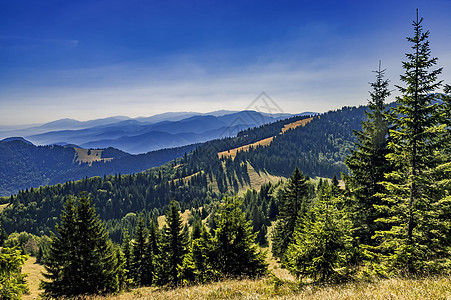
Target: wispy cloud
[[26, 43]]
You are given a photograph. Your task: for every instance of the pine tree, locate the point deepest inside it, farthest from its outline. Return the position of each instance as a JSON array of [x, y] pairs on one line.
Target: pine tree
[[439, 246], [273, 210], [197, 264], [261, 237], [410, 244], [127, 252], [293, 204], [12, 281], [154, 237], [139, 246], [81, 259], [368, 162], [173, 248], [196, 231], [322, 242], [235, 253]]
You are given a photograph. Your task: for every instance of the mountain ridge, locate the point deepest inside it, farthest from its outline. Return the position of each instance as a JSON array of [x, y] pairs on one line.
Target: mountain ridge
[[120, 134]]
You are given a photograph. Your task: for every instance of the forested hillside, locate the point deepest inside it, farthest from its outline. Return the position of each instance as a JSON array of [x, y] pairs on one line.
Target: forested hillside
[[23, 165], [325, 141]]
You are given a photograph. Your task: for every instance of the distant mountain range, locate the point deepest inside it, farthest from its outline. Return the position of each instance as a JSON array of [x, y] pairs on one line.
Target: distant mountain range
[[145, 134]]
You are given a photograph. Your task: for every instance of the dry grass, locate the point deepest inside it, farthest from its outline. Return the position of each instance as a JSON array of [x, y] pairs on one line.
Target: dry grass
[[34, 278], [265, 142], [232, 152], [270, 288], [82, 156], [187, 178], [296, 124], [3, 206], [282, 287], [257, 179], [162, 219]]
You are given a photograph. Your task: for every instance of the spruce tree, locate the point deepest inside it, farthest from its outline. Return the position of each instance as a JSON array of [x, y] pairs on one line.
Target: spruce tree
[[322, 243], [235, 253], [127, 251], [82, 260], [197, 264], [139, 251], [411, 191], [368, 163], [12, 281], [173, 247], [261, 236], [293, 204], [154, 237]]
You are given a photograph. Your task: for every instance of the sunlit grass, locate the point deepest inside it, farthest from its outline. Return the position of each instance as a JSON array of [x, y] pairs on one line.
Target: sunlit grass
[[3, 206], [34, 277], [281, 286], [268, 288]]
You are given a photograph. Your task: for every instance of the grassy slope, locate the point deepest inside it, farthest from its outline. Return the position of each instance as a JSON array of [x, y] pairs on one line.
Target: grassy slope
[[2, 206], [265, 142], [271, 288], [82, 156], [34, 278], [280, 286], [232, 152]]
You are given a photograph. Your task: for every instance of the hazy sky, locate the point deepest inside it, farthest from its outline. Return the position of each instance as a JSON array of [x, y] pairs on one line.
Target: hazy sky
[[89, 59]]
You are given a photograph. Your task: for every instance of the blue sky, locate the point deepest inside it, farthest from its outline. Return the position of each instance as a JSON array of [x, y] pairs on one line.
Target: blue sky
[[92, 59]]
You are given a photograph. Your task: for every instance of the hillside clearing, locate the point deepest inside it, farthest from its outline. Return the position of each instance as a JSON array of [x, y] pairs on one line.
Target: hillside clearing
[[162, 219], [296, 124], [3, 206], [34, 277], [265, 142], [89, 156], [257, 179], [232, 152]]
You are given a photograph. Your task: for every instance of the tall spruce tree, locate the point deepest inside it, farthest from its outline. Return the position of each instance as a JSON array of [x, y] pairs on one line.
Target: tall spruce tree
[[127, 251], [439, 236], [139, 253], [82, 260], [173, 248], [411, 190], [368, 163], [293, 205]]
